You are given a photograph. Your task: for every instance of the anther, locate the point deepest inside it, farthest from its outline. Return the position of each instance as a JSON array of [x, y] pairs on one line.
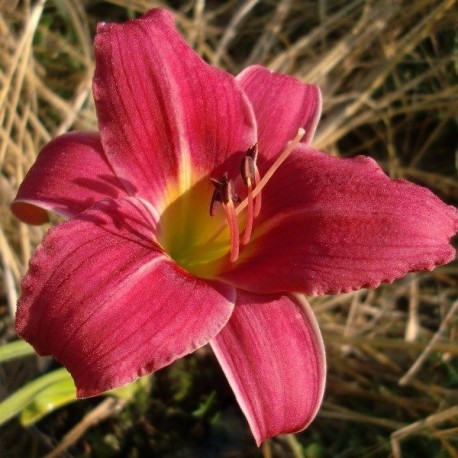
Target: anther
[[252, 152], [225, 195]]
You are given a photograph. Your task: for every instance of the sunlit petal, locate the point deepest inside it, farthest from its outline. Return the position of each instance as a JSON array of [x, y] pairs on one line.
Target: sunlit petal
[[164, 114], [273, 356], [102, 298], [331, 225]]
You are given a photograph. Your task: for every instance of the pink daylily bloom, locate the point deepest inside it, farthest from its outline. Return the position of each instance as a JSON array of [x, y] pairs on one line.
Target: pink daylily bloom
[[196, 215]]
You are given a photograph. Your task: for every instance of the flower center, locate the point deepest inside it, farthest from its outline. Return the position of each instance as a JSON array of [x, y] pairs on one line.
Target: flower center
[[203, 241]]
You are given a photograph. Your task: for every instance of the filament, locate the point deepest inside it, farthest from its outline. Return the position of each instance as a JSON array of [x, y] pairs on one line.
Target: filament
[[231, 217]]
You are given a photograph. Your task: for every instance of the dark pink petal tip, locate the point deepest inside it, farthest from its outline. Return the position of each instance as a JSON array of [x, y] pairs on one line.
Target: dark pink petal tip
[[273, 355], [331, 225], [109, 305], [70, 174]]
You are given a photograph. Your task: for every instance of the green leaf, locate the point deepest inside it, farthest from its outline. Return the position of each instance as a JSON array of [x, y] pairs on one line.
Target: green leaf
[[52, 398], [205, 406], [14, 350], [63, 392], [49, 392], [21, 398]]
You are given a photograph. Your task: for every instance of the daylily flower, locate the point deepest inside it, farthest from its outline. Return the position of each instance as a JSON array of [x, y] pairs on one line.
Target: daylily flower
[[197, 215]]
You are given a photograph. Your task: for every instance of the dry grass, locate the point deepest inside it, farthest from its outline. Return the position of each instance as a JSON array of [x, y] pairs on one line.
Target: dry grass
[[388, 71]]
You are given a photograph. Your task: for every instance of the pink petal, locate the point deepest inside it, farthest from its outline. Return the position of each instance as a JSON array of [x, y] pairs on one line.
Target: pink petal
[[331, 225], [109, 305], [164, 114], [273, 356], [282, 104], [69, 175]]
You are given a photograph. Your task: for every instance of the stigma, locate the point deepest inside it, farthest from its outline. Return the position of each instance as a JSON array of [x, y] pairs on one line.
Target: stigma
[[224, 194]]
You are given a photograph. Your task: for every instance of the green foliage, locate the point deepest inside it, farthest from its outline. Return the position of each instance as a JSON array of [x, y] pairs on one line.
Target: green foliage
[[40, 396], [54, 396], [49, 392], [15, 350]]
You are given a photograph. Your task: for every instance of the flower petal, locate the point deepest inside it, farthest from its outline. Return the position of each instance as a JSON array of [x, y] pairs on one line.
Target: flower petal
[[331, 225], [69, 175], [165, 114], [273, 355], [109, 305], [282, 104]]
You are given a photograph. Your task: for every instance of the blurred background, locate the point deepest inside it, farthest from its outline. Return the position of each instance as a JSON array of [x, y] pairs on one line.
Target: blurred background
[[388, 71]]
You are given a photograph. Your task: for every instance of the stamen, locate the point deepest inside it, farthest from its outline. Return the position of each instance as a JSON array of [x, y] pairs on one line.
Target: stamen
[[253, 153], [225, 195], [250, 175], [224, 190], [265, 179]]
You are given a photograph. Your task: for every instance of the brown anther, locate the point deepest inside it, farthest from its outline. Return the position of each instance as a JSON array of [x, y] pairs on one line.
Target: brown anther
[[248, 166], [253, 152], [224, 192]]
